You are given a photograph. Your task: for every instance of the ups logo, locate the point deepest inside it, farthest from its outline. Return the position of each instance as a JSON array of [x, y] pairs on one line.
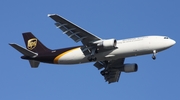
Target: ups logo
[[31, 44]]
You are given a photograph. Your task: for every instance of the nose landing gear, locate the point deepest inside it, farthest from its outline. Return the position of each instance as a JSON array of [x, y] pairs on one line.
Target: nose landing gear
[[154, 55]]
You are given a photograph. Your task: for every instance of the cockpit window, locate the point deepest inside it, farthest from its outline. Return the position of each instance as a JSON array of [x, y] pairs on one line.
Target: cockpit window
[[166, 37]]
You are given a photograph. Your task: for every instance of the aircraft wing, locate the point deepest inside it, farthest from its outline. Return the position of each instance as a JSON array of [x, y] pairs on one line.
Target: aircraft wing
[[112, 68], [113, 76], [73, 31]]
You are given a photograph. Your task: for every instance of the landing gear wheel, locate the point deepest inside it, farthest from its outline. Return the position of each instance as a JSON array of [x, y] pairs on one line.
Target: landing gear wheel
[[92, 58], [154, 57]]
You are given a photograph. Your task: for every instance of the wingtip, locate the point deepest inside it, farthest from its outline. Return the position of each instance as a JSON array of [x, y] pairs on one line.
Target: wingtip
[[10, 43], [49, 15]]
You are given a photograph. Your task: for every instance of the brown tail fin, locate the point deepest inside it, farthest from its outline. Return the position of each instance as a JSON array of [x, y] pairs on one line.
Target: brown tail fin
[[33, 44]]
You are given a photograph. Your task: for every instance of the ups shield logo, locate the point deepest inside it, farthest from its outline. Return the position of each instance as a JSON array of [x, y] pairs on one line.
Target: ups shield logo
[[31, 44]]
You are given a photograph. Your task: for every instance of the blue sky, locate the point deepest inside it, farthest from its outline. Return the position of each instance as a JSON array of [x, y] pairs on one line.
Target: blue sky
[[118, 19]]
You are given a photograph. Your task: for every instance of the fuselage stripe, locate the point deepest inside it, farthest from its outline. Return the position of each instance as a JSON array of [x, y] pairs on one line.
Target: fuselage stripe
[[62, 54]]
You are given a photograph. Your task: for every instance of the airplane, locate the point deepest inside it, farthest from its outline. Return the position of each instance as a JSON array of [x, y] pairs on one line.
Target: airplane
[[108, 54]]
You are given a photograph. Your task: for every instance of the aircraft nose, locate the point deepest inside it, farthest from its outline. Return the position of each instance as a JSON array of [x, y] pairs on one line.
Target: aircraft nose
[[172, 42]]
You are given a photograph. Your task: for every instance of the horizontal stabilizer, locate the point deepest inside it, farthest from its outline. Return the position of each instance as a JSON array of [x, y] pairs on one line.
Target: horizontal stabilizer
[[22, 50]]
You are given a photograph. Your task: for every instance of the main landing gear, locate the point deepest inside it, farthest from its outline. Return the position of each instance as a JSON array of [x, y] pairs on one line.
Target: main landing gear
[[105, 71], [92, 57], [154, 55]]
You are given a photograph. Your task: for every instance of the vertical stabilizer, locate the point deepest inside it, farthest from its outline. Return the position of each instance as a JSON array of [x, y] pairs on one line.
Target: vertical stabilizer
[[33, 44]]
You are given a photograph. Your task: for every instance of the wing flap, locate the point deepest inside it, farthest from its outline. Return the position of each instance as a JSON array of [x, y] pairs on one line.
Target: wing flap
[[73, 31], [98, 65], [113, 76], [112, 67]]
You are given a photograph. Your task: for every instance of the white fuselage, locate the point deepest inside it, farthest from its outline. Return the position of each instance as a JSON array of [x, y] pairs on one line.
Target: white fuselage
[[125, 48]]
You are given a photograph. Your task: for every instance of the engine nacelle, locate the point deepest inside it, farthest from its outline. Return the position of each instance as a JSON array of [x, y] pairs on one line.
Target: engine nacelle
[[109, 44], [130, 68]]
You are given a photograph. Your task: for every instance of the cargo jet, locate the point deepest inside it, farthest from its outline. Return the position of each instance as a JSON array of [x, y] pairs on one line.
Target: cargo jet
[[108, 55]]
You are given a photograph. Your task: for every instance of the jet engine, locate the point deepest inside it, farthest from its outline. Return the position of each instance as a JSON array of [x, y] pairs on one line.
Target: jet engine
[[109, 44], [130, 68]]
